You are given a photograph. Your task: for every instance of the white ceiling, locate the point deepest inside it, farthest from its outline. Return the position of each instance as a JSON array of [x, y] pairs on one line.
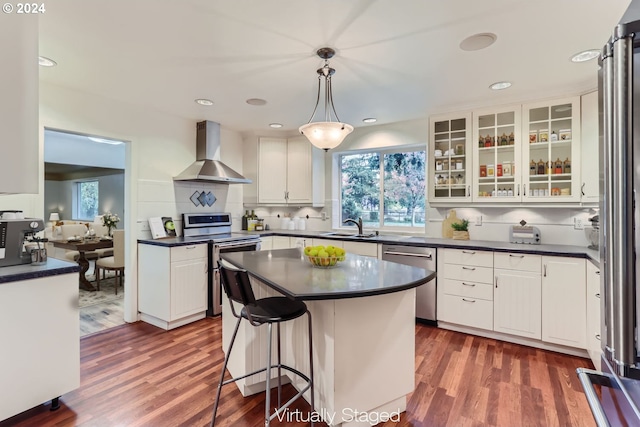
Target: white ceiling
[[396, 60]]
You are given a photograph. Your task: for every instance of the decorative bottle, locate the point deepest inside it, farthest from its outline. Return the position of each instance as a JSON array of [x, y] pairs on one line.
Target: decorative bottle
[[245, 217]]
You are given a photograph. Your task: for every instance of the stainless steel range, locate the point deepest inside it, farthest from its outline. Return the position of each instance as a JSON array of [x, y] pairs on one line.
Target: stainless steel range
[[215, 228]]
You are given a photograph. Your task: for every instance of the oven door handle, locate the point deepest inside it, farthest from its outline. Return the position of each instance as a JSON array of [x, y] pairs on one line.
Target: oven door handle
[[417, 255], [236, 244]]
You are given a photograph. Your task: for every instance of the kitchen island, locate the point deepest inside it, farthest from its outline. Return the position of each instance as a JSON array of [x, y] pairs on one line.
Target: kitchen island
[[363, 314]]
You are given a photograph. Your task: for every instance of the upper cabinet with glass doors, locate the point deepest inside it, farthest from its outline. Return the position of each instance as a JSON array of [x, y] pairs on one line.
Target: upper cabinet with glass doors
[[449, 158], [496, 155], [552, 151]]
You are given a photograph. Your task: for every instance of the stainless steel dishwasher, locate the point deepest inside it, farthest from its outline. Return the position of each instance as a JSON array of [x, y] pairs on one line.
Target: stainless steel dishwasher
[[423, 258]]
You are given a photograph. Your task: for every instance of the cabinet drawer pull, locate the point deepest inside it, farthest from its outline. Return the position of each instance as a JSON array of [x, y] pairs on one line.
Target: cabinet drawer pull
[[190, 247], [524, 189], [598, 337], [598, 272], [518, 189], [469, 284], [545, 270], [468, 300], [496, 282], [468, 268], [469, 252], [582, 191], [598, 295], [469, 191], [516, 256]]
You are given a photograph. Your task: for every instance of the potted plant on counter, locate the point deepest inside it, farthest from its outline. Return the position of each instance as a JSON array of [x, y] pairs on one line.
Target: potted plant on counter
[[461, 230]]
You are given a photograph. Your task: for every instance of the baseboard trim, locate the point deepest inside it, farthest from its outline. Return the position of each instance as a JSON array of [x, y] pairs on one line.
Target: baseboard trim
[[579, 352]]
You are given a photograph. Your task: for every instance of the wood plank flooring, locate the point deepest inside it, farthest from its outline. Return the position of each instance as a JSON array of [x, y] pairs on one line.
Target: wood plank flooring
[[139, 375]]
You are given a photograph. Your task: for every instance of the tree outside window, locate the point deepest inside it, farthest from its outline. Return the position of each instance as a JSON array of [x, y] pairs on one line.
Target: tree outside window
[[87, 200], [386, 189]]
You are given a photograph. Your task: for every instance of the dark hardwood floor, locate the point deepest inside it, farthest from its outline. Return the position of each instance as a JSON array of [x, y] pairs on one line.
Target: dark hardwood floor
[[139, 375]]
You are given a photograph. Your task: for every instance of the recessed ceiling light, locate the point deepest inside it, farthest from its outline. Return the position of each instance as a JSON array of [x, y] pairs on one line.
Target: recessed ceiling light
[[275, 125], [203, 101], [478, 41], [500, 85], [256, 101], [586, 55], [370, 120], [105, 141], [46, 62]]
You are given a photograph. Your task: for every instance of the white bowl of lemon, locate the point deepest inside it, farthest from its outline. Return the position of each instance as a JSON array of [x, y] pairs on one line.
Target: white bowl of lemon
[[324, 256]]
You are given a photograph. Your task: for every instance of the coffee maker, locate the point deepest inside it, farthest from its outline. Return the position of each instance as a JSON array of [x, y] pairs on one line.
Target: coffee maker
[[14, 233]]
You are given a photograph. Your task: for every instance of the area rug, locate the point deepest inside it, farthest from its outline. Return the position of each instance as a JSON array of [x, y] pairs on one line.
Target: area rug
[[106, 293]]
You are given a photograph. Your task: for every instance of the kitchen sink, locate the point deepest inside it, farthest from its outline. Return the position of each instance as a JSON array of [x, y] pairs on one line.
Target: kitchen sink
[[343, 234]]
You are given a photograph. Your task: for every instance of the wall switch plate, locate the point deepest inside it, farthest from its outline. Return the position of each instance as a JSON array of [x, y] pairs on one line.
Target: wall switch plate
[[578, 223], [479, 220]]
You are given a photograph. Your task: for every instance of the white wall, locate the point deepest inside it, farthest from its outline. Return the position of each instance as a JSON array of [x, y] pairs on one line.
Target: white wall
[[58, 196]]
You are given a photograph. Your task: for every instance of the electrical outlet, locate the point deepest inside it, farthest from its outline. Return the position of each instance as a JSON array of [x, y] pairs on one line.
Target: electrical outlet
[[578, 223], [479, 220]]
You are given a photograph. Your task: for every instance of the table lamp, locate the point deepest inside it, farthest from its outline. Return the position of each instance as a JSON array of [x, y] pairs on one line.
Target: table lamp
[[54, 217]]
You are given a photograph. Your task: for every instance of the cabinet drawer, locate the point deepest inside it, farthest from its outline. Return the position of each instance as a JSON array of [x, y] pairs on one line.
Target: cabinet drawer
[[468, 257], [468, 273], [472, 312], [467, 289], [521, 262], [184, 253]]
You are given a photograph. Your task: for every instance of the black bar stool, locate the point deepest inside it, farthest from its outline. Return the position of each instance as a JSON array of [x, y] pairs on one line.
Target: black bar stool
[[270, 310]]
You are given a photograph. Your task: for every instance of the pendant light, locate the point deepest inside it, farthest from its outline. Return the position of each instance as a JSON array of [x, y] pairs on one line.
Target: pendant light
[[328, 134]]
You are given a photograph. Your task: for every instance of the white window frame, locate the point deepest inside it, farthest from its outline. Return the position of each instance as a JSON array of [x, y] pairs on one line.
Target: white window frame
[[75, 200], [336, 187]]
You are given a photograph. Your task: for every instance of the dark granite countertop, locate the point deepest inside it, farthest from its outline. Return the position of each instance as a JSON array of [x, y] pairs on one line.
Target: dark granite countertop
[[479, 245], [290, 273], [433, 242], [53, 267]]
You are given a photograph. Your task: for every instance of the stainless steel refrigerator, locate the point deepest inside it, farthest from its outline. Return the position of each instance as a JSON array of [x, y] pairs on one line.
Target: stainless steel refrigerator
[[614, 393]]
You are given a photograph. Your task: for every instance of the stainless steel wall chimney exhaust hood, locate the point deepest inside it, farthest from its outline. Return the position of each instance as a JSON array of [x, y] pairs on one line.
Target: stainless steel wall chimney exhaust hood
[[208, 167]]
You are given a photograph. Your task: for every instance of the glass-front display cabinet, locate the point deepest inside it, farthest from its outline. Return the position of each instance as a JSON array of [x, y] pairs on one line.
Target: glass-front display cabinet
[[496, 155], [449, 158], [552, 151]]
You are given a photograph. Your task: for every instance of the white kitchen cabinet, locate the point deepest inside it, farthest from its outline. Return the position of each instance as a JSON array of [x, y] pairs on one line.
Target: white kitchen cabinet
[[590, 170], [594, 315], [289, 171], [465, 288], [361, 248], [172, 284], [40, 330], [496, 155], [326, 242], [553, 132], [282, 242], [517, 298], [450, 151], [19, 163], [564, 301], [266, 243]]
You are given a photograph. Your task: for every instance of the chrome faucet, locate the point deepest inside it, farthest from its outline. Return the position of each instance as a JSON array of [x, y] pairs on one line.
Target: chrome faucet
[[358, 223]]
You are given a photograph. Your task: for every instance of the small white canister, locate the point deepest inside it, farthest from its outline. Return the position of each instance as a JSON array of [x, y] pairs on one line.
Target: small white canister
[[302, 225]]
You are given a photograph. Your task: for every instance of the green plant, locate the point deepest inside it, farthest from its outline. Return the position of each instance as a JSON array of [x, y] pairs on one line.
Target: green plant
[[461, 226]]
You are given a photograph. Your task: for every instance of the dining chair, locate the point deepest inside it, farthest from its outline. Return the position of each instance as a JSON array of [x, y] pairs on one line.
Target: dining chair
[[115, 262]]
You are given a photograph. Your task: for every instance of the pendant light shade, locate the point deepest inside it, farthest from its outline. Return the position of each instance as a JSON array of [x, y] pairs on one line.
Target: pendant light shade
[[327, 134]]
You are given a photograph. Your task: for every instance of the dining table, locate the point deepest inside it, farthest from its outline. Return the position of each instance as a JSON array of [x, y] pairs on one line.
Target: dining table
[[83, 246]]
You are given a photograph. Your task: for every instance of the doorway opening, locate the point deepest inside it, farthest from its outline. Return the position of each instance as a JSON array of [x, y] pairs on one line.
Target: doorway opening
[[84, 191]]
